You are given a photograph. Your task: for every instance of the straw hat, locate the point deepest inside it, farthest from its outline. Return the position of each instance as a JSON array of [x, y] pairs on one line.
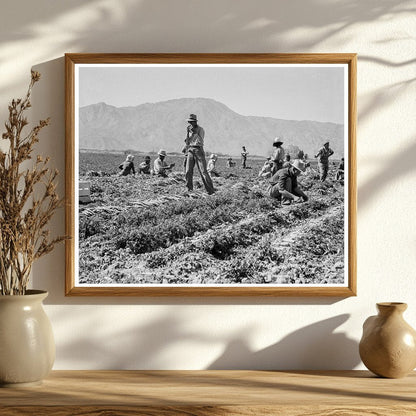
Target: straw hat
[[299, 165], [277, 141]]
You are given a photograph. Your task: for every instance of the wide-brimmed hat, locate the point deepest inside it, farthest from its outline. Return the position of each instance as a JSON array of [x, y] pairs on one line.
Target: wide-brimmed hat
[[162, 152], [277, 141], [192, 117], [213, 156], [299, 165], [147, 158], [129, 157], [326, 143]]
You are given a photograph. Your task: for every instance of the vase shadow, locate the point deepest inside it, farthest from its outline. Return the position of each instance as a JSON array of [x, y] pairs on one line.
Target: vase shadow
[[314, 347]]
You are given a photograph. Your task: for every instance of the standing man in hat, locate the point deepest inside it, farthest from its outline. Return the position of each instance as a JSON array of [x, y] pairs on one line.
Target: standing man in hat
[[284, 183], [195, 145], [323, 160], [160, 167], [278, 155]]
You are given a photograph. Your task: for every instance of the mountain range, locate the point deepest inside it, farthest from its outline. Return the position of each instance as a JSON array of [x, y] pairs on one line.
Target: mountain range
[[162, 125]]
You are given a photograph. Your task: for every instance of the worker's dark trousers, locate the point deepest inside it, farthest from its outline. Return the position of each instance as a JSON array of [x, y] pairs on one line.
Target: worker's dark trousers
[[196, 156], [323, 170]]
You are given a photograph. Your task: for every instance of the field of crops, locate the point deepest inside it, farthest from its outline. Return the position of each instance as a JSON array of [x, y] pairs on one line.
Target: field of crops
[[145, 230]]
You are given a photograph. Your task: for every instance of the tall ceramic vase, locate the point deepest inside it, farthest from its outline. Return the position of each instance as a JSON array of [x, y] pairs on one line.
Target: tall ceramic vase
[[27, 347], [388, 345]]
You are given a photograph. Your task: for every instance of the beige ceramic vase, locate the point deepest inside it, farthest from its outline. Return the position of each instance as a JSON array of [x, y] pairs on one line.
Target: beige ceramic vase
[[388, 344], [27, 347]]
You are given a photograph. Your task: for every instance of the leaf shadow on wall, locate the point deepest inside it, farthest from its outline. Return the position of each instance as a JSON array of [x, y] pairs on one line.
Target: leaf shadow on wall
[[395, 168], [116, 347], [316, 346], [151, 345], [242, 27], [132, 26]]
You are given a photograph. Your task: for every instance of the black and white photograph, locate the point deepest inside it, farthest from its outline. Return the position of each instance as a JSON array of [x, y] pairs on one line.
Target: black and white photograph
[[212, 175]]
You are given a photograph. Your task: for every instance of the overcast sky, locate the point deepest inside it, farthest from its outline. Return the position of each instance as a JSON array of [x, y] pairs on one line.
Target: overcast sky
[[291, 93]]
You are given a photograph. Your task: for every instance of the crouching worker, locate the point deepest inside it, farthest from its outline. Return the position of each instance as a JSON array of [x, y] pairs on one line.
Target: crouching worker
[[211, 166], [340, 172], [127, 166], [284, 183], [160, 167], [144, 167], [266, 170]]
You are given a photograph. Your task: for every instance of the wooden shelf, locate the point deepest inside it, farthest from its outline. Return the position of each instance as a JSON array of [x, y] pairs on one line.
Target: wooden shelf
[[202, 393]]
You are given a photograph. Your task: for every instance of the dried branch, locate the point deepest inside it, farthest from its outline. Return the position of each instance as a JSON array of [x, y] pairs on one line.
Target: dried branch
[[23, 218]]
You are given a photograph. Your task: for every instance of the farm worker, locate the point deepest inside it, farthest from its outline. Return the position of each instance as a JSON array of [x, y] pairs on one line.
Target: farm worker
[[278, 155], [266, 170], [160, 167], [323, 156], [244, 154], [194, 142], [284, 183], [127, 166], [212, 170], [286, 163], [144, 167], [230, 162], [340, 172]]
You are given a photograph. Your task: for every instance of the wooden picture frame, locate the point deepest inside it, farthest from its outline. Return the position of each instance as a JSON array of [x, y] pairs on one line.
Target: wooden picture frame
[[87, 75]]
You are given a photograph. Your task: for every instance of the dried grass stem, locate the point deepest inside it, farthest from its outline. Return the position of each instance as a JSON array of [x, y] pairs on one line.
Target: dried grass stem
[[23, 217]]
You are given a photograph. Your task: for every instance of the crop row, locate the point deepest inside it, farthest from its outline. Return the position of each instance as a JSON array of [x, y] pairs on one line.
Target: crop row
[[222, 243], [148, 229]]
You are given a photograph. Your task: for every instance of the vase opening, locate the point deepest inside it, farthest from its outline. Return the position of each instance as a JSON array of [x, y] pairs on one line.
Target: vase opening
[[390, 307]]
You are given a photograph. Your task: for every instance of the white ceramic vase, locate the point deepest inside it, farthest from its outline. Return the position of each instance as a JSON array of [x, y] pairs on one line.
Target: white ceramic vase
[[27, 347]]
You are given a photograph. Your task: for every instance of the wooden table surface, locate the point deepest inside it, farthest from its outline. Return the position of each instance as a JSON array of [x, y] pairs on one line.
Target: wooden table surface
[[254, 393]]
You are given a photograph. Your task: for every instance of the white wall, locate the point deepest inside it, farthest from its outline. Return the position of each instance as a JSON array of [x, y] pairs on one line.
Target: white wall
[[195, 333]]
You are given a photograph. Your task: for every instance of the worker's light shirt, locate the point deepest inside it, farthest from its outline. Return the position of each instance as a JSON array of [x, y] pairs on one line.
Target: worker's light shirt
[[279, 154], [159, 166]]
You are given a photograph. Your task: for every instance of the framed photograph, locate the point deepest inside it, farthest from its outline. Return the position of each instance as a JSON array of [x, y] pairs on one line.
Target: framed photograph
[[211, 174]]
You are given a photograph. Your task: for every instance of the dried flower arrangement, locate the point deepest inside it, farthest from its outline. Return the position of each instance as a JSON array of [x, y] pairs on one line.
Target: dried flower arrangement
[[28, 199]]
